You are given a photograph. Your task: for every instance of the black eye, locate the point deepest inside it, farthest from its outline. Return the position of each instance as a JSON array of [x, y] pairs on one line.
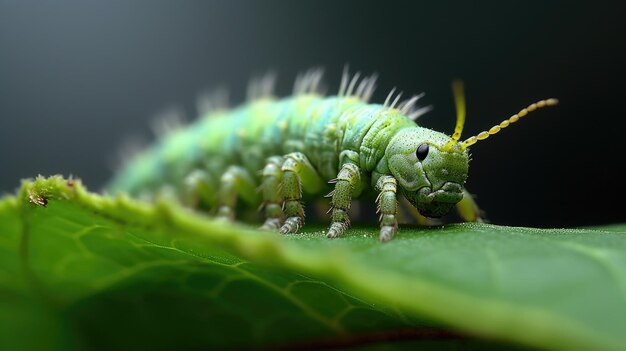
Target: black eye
[[422, 152]]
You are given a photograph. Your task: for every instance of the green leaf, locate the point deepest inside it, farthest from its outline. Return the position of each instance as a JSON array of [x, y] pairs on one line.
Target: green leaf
[[79, 270]]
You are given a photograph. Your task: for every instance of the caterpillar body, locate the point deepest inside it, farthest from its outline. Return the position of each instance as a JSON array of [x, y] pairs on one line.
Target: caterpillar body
[[296, 146]]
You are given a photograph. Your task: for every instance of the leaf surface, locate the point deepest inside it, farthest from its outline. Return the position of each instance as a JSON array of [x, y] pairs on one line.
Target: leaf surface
[[99, 272]]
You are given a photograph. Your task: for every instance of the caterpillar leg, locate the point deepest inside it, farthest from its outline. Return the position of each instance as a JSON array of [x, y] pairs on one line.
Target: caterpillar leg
[[468, 209], [199, 190], [272, 197], [388, 207], [298, 173], [348, 180], [236, 181]]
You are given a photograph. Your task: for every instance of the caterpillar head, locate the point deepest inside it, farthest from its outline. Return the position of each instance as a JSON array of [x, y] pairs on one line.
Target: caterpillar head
[[432, 167], [431, 177]]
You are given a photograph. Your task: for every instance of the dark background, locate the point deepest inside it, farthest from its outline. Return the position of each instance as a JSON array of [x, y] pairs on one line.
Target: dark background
[[77, 78]]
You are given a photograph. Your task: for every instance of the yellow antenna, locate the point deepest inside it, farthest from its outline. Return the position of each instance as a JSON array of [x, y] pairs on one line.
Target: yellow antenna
[[459, 103], [495, 129]]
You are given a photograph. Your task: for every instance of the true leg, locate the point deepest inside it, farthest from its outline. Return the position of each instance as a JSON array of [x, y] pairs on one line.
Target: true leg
[[198, 190], [236, 181], [387, 206], [297, 173], [272, 196], [348, 181]]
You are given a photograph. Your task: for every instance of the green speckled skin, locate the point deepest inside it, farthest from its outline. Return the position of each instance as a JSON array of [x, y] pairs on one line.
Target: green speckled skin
[[320, 135]]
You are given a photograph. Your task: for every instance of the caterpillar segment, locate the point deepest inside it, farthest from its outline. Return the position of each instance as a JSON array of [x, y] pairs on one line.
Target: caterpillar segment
[[272, 153]]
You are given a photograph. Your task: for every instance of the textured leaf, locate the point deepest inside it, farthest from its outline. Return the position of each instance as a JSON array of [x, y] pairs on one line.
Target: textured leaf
[[79, 270]]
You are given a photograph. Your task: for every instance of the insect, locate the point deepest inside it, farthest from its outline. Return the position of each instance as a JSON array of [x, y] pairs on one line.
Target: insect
[[294, 147]]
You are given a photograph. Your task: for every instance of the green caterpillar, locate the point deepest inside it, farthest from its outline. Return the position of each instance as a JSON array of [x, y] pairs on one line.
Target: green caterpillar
[[299, 144]]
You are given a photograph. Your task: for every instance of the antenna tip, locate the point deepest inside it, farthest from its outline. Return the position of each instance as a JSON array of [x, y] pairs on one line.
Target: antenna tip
[[552, 102]]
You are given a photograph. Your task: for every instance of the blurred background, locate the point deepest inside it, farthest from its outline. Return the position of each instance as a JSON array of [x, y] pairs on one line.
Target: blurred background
[[77, 78]]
